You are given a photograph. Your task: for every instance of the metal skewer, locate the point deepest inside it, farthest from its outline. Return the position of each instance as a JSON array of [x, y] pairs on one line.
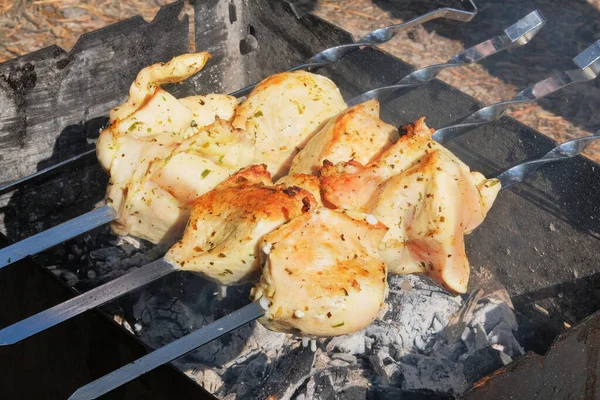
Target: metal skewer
[[86, 301], [567, 150], [55, 235], [254, 310], [378, 36], [170, 352], [518, 34], [321, 59], [588, 62]]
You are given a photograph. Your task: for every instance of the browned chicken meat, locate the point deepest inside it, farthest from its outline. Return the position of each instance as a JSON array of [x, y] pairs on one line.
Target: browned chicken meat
[[427, 197], [221, 240], [322, 274], [356, 134], [352, 199]]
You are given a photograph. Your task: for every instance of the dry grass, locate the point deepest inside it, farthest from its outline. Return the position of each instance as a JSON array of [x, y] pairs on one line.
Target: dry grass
[[28, 25]]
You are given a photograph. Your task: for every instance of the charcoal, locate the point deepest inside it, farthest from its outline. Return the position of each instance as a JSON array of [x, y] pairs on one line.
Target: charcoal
[[408, 309], [289, 373], [103, 254], [352, 393], [475, 337], [167, 318], [502, 335], [350, 359], [248, 376], [491, 313], [334, 383], [482, 362], [67, 276], [418, 371], [450, 351], [208, 378], [385, 334], [394, 393]]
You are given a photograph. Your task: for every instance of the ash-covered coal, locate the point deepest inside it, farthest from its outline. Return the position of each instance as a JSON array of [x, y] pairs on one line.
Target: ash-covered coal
[[425, 344]]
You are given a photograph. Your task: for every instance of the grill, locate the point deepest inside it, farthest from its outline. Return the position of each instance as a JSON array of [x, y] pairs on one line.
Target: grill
[[539, 241]]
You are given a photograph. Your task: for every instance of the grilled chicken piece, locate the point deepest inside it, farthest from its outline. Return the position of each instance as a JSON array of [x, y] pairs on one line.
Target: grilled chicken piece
[[356, 134], [351, 185], [426, 196], [151, 112], [148, 81], [150, 194], [206, 108], [283, 112], [322, 274], [221, 239], [156, 202]]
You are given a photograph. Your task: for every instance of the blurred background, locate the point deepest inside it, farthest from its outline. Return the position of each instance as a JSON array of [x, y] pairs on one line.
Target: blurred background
[[29, 25]]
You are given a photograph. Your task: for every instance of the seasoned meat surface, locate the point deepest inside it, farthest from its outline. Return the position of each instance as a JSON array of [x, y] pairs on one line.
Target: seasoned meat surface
[[283, 112], [227, 223], [427, 198], [356, 134], [322, 274]]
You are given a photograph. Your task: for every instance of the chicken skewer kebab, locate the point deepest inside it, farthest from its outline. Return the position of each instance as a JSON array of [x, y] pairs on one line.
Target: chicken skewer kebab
[[258, 308], [321, 59], [516, 35], [352, 122]]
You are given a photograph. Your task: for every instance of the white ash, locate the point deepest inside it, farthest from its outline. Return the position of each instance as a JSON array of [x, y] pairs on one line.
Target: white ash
[[403, 352]]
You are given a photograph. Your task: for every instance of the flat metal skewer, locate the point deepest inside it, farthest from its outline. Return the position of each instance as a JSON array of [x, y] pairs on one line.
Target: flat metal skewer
[[516, 35], [567, 150], [588, 62], [93, 298], [170, 352], [55, 235], [254, 310], [321, 59]]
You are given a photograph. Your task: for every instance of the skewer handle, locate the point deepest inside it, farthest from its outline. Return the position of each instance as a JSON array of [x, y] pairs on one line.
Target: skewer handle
[[169, 352], [567, 150], [58, 234], [518, 34], [588, 62]]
